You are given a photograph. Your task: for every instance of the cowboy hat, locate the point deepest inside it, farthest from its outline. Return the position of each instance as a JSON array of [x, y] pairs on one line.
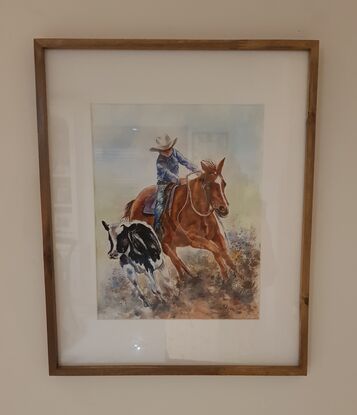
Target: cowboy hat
[[164, 143]]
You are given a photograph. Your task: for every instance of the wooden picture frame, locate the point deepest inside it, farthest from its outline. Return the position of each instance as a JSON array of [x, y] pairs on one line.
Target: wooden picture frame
[[41, 46]]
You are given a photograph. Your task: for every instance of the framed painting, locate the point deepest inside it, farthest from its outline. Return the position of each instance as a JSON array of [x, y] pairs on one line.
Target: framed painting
[[176, 191]]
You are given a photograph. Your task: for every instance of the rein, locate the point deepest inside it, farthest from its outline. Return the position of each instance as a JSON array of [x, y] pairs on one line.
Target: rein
[[189, 198], [189, 192]]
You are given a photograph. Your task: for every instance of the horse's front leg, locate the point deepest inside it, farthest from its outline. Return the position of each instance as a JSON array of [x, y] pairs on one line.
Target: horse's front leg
[[220, 241], [178, 264], [202, 243]]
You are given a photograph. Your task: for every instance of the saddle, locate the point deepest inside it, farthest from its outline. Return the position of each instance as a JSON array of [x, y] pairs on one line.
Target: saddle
[[149, 204]]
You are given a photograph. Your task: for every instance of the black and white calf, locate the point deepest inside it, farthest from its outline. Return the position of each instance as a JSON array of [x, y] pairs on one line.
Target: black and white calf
[[140, 252]]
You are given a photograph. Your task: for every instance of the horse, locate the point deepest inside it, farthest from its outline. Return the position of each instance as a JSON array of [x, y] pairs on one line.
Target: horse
[[140, 252], [192, 220]]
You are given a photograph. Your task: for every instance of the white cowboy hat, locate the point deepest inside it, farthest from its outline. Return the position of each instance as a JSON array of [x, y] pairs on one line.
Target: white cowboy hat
[[164, 143]]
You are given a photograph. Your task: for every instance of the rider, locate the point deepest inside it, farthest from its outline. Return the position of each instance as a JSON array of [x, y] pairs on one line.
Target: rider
[[167, 165]]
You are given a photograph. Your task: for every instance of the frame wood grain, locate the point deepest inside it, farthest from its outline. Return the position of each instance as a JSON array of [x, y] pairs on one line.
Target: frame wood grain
[[40, 47]]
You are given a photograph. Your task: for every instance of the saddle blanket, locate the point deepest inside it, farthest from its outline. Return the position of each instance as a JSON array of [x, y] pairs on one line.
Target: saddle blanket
[[149, 205]]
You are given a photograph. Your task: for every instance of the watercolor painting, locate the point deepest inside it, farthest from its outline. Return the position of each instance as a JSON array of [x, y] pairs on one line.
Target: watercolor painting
[[177, 210]]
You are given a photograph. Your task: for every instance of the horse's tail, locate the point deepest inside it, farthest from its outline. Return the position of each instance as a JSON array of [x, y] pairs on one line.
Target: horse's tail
[[127, 210]]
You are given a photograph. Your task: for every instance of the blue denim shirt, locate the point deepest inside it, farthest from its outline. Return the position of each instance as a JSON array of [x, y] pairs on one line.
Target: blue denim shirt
[[168, 167]]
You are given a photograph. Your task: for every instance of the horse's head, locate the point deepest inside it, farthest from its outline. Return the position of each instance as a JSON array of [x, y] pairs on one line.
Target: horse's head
[[214, 185], [116, 239]]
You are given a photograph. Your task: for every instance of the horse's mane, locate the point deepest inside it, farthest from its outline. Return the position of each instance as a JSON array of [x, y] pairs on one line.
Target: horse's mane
[[210, 165]]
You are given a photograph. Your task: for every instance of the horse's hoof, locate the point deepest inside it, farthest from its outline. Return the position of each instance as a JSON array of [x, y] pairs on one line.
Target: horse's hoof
[[225, 277], [225, 273], [190, 274], [231, 274]]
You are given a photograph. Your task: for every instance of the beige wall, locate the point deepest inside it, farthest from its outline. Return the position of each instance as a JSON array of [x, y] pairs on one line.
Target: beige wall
[[330, 387]]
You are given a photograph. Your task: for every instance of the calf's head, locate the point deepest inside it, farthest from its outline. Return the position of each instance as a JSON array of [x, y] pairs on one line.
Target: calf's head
[[118, 239], [112, 237]]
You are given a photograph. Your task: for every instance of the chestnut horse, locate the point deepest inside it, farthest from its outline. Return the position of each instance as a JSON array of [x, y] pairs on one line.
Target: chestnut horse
[[192, 219]]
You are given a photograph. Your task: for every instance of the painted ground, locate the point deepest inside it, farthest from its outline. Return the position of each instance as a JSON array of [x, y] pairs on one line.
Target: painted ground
[[205, 296]]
